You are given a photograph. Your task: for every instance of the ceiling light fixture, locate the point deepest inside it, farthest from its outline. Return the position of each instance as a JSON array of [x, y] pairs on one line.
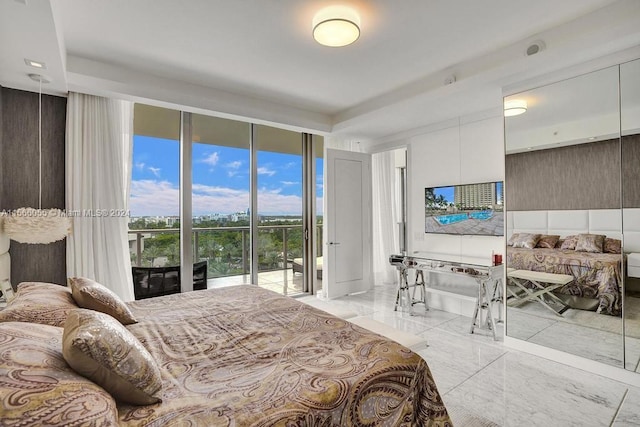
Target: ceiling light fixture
[[514, 107], [35, 64], [336, 26]]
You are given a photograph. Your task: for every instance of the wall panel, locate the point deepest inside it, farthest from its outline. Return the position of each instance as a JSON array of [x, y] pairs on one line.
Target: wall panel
[[19, 176], [584, 176]]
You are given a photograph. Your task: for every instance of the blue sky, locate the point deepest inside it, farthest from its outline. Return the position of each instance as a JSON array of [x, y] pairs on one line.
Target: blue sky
[[220, 180]]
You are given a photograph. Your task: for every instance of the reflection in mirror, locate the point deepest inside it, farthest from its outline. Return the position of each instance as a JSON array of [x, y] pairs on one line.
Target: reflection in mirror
[[630, 126], [562, 183]]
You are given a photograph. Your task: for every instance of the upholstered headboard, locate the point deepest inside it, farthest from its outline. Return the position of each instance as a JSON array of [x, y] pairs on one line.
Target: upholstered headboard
[[567, 222], [5, 260]]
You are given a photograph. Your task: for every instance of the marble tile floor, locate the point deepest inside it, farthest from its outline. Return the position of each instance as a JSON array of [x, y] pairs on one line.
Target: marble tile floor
[[594, 336], [484, 383]]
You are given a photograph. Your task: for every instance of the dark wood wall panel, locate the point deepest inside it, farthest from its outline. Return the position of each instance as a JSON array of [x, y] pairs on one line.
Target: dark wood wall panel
[[631, 171], [584, 176], [19, 182]]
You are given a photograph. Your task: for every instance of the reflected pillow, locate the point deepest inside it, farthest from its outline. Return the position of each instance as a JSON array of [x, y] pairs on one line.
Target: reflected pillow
[[590, 243], [569, 242], [38, 302], [94, 296], [38, 388], [548, 241], [98, 347], [526, 240], [612, 246]]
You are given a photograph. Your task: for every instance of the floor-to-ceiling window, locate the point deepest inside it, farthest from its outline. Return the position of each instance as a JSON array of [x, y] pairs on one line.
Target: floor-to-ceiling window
[[279, 207], [240, 215], [155, 197], [221, 196]]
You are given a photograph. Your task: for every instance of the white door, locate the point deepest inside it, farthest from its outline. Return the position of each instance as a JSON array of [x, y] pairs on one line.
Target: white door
[[348, 249]]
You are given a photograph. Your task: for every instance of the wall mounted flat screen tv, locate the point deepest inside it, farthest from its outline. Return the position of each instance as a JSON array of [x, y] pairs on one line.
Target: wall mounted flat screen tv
[[471, 209]]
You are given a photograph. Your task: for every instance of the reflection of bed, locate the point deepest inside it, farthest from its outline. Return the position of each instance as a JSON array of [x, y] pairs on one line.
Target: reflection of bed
[[297, 266], [596, 275], [234, 356]]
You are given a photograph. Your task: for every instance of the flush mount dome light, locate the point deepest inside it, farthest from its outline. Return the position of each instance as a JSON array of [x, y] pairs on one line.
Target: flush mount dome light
[[514, 107], [336, 26]]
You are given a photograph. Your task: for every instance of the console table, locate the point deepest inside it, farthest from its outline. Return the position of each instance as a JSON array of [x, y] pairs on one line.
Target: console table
[[487, 276]]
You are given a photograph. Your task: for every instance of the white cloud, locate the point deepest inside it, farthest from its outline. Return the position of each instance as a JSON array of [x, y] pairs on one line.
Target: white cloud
[[211, 159], [266, 171], [140, 165], [289, 182], [151, 198], [155, 171], [234, 165]]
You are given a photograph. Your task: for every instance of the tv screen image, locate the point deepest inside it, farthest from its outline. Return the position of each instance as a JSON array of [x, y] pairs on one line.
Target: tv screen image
[[471, 209]]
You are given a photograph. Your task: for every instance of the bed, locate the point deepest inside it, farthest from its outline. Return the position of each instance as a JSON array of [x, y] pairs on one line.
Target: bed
[[235, 356], [596, 276]]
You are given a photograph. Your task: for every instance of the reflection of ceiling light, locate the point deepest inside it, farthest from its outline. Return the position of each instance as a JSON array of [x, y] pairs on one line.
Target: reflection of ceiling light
[[513, 107], [336, 26], [35, 64]]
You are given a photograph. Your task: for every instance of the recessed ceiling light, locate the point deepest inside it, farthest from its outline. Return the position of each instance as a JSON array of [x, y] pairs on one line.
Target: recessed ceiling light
[[592, 138], [336, 26], [35, 64], [514, 107]]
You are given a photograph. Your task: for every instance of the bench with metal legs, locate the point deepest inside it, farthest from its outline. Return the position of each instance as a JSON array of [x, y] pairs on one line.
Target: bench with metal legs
[[544, 283]]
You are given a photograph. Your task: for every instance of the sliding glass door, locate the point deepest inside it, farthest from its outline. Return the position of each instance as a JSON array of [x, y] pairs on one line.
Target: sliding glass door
[[227, 200], [279, 208], [221, 198]]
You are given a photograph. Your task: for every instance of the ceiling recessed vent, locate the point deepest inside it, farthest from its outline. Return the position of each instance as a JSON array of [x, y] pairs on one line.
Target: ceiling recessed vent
[[535, 47]]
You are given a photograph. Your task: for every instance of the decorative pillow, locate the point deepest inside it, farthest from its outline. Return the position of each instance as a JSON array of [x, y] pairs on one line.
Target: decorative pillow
[[570, 242], [98, 347], [590, 243], [94, 296], [559, 243], [612, 246], [39, 388], [547, 241], [513, 238], [526, 240], [37, 302]]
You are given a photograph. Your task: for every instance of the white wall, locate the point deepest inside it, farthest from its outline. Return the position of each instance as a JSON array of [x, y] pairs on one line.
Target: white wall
[[470, 152]]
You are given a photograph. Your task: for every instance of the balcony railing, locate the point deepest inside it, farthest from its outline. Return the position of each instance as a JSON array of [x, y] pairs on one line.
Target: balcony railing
[[226, 248]]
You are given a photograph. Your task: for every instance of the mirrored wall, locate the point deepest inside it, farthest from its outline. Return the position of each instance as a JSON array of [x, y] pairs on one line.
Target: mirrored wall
[[572, 194]]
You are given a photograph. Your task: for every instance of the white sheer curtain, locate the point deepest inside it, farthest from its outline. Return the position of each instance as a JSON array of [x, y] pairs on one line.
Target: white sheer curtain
[[385, 216], [98, 161]]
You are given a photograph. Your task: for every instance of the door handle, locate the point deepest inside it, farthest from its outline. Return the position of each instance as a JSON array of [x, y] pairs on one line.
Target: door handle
[[333, 243]]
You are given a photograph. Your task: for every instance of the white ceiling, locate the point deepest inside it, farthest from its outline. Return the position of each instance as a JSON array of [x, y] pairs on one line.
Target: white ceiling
[[257, 59]]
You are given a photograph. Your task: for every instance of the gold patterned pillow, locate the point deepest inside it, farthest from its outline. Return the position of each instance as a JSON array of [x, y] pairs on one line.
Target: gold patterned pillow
[[98, 347], [39, 388], [569, 242], [513, 238], [37, 302], [590, 243], [612, 246], [526, 240], [548, 241], [94, 296]]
